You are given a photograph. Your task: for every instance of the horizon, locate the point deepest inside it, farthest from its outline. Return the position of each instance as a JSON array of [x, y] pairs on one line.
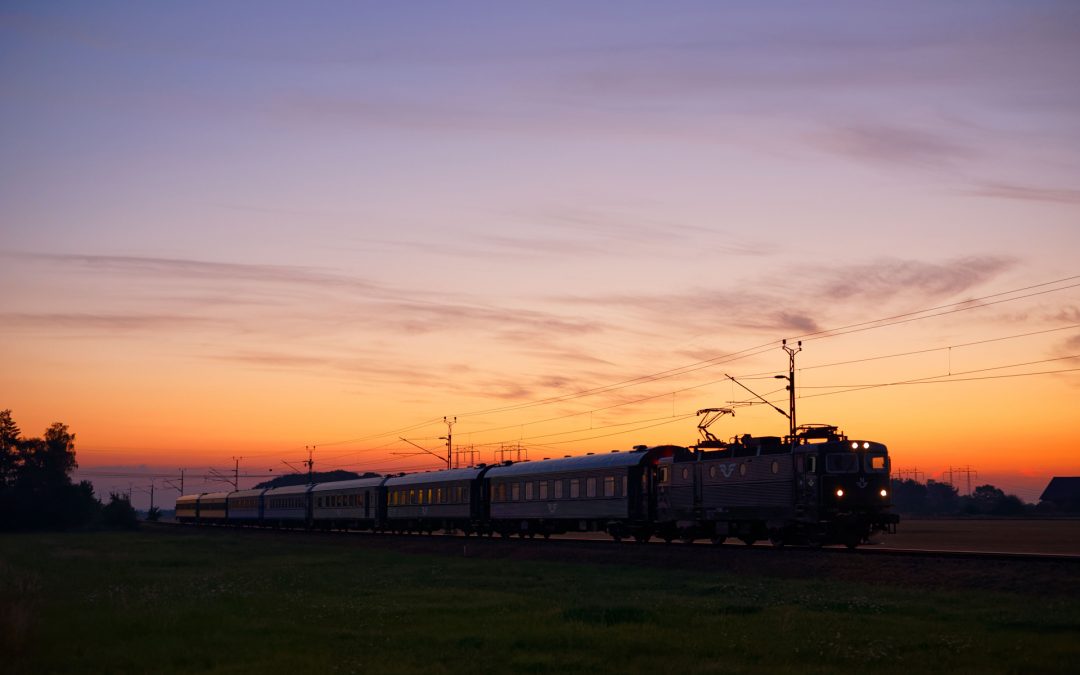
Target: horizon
[[244, 231]]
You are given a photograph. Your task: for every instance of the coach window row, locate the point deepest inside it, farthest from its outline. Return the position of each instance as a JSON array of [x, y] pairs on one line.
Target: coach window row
[[563, 488], [244, 503], [339, 501], [286, 503], [422, 496]]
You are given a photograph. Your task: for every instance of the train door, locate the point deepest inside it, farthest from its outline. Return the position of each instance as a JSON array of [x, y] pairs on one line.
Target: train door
[[807, 485]]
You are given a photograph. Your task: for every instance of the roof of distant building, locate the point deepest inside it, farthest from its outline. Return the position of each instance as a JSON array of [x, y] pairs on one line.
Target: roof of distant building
[[1062, 489]]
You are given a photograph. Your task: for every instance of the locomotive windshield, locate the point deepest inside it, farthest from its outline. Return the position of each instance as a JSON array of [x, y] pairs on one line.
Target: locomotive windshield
[[845, 462], [877, 463]]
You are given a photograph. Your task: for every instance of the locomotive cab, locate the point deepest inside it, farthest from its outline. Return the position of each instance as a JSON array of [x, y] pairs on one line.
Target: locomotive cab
[[842, 486]]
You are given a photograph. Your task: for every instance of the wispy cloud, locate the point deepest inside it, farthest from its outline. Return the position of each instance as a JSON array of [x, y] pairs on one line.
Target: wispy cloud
[[1027, 193], [894, 145], [884, 279], [61, 323], [201, 270], [820, 294]]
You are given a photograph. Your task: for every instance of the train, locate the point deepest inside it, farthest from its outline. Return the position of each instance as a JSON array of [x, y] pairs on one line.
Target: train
[[815, 486]]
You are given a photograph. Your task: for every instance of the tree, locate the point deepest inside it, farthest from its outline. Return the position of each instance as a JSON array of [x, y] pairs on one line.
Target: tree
[[990, 500], [36, 491], [9, 447], [941, 498], [119, 514]]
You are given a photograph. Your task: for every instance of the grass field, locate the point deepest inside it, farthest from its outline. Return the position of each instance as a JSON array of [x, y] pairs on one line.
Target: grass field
[[220, 601], [1018, 535]]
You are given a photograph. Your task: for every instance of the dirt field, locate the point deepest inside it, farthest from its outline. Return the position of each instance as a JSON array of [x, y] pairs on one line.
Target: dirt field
[[1003, 536]]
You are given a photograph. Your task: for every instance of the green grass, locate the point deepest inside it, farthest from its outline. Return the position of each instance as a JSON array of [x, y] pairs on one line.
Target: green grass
[[235, 603]]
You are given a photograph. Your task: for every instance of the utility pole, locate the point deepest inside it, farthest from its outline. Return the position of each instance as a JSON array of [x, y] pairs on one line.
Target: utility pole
[[236, 473], [911, 474], [449, 438], [967, 471], [176, 485], [791, 352]]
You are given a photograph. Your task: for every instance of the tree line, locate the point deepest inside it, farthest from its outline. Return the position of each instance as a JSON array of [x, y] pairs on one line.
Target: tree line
[[941, 499], [36, 490]]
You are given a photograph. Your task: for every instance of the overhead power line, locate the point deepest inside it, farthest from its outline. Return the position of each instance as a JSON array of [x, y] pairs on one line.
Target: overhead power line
[[907, 317]]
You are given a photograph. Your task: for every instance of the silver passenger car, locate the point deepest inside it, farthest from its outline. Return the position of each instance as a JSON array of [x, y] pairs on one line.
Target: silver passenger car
[[287, 506], [436, 500], [589, 493], [245, 507], [348, 503]]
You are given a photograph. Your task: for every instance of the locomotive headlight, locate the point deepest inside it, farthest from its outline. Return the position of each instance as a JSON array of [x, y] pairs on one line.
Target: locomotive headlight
[[854, 445], [839, 492], [866, 446], [884, 493]]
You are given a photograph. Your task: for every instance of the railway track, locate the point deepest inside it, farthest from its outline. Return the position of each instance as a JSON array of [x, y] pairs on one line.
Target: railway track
[[604, 543]]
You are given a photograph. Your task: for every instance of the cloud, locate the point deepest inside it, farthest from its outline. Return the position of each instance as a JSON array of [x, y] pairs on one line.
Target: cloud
[[1027, 193], [894, 145], [202, 270], [819, 295], [57, 323], [887, 278]]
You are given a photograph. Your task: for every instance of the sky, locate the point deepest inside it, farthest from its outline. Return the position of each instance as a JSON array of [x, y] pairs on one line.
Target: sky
[[238, 230]]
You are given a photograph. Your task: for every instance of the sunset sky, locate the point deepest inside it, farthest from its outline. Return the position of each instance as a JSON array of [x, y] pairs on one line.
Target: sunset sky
[[239, 229]]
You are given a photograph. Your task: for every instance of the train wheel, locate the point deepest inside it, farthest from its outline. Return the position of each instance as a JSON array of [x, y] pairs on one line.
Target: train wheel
[[851, 540], [718, 539], [687, 539], [642, 538], [547, 535], [749, 541], [776, 538]]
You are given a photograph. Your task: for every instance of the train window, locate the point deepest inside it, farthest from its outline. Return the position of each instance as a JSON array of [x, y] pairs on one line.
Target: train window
[[743, 469], [543, 490], [590, 487], [558, 489], [500, 492], [609, 486], [412, 496], [811, 463], [515, 491], [529, 490], [877, 463], [712, 472], [685, 473], [775, 466], [842, 462], [665, 474], [625, 480], [575, 488], [429, 493]]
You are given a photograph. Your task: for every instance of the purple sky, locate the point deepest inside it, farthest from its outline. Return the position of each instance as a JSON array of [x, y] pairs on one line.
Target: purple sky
[[526, 199]]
